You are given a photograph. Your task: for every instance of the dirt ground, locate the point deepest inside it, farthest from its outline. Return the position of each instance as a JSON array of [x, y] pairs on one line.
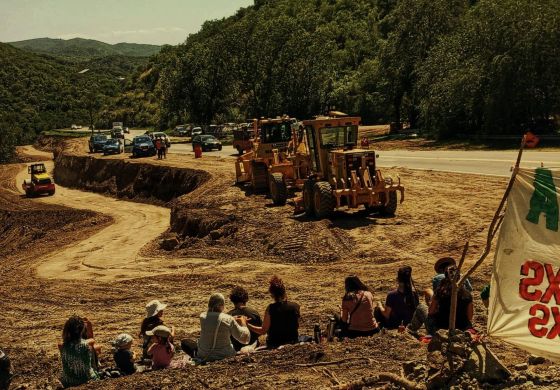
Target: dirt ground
[[228, 236]]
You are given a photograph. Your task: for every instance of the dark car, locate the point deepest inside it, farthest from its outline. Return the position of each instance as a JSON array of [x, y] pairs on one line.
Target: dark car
[[143, 146], [97, 142], [206, 142], [117, 132], [113, 146]]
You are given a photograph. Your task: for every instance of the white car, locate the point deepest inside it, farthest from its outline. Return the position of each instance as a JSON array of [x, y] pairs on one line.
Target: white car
[[196, 131]]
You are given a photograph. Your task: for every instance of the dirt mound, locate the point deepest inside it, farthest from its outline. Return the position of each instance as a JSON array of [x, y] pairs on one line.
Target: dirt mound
[[126, 179], [246, 227]]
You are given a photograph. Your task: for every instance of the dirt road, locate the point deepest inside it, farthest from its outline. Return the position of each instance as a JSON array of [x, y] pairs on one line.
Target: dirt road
[[112, 253]]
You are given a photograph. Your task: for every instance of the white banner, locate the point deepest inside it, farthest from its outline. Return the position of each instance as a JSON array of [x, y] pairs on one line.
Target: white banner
[[525, 290]]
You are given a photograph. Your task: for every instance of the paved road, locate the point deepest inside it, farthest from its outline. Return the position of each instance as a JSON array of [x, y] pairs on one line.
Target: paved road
[[493, 163]]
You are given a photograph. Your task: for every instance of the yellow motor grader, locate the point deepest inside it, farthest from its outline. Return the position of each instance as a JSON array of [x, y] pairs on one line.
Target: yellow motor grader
[[343, 176], [278, 160]]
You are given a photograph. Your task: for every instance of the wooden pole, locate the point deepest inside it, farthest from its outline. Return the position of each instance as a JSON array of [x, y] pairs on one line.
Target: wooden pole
[[458, 280], [455, 288]]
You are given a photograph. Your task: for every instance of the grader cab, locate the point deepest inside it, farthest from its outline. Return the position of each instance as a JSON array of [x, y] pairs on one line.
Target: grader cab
[[343, 176], [277, 162]]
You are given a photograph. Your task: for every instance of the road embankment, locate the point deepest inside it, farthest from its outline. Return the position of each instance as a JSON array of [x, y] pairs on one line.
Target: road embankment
[[127, 179]]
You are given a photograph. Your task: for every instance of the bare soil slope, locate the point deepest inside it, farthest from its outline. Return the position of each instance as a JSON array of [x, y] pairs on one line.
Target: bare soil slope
[[228, 236]]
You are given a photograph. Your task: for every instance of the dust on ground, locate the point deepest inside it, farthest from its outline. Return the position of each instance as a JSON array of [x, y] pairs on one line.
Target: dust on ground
[[440, 213]]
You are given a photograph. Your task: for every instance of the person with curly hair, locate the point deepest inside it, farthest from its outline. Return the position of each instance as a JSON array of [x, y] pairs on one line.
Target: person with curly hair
[[281, 318], [239, 297], [78, 352]]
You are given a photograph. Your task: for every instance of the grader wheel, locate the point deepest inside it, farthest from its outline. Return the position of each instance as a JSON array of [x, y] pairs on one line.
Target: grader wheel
[[323, 199], [278, 189], [308, 198], [259, 177]]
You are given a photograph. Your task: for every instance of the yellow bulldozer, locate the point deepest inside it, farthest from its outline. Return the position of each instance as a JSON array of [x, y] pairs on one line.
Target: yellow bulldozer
[[278, 160], [342, 175]]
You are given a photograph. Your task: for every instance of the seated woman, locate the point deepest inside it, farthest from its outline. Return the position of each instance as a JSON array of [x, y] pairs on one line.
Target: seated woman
[[357, 309], [400, 303], [239, 297], [440, 306], [216, 330], [78, 352], [281, 318]]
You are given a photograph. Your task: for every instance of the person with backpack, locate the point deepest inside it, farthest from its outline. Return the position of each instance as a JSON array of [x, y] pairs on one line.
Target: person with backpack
[[400, 303], [356, 319]]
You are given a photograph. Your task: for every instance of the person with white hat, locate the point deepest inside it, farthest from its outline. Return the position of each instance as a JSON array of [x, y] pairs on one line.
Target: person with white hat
[[161, 349], [124, 357], [154, 314]]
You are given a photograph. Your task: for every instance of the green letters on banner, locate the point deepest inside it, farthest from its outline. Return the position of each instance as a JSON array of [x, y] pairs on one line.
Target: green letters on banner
[[544, 200]]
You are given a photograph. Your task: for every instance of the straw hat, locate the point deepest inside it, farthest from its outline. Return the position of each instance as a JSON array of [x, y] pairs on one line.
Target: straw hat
[[154, 307], [160, 331]]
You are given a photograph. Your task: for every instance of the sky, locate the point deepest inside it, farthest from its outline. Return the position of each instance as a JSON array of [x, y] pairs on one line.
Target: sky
[[112, 21]]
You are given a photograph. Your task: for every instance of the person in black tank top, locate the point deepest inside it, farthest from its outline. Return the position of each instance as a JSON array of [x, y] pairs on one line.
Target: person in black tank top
[[281, 319]]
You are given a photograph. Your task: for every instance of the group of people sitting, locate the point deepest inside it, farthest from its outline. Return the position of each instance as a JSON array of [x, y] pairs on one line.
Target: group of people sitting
[[224, 334], [403, 308]]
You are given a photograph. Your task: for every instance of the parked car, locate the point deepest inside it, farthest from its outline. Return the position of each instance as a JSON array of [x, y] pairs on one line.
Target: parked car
[[196, 131], [113, 146], [97, 142], [206, 142], [117, 132], [142, 146], [181, 131], [156, 135], [127, 130], [76, 127]]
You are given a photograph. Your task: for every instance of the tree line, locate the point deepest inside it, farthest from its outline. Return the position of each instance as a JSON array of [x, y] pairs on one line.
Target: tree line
[[449, 68]]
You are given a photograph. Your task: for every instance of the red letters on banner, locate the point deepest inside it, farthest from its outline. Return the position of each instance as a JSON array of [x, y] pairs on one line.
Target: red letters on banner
[[529, 289]]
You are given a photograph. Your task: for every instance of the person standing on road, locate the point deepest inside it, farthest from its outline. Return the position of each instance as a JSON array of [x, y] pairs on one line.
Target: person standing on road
[[158, 148], [163, 148]]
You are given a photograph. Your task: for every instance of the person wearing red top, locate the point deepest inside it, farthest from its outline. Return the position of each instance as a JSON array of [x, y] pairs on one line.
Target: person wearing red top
[[357, 309]]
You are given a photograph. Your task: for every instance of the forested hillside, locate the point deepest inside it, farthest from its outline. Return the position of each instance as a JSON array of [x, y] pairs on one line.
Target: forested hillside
[[42, 93], [79, 48], [447, 67]]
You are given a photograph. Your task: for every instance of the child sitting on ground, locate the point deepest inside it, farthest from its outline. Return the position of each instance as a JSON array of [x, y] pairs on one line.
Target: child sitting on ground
[[161, 350], [154, 314], [124, 357]]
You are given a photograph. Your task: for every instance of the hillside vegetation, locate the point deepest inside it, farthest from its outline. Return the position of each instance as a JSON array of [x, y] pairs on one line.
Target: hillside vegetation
[[448, 67], [79, 48], [42, 92]]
